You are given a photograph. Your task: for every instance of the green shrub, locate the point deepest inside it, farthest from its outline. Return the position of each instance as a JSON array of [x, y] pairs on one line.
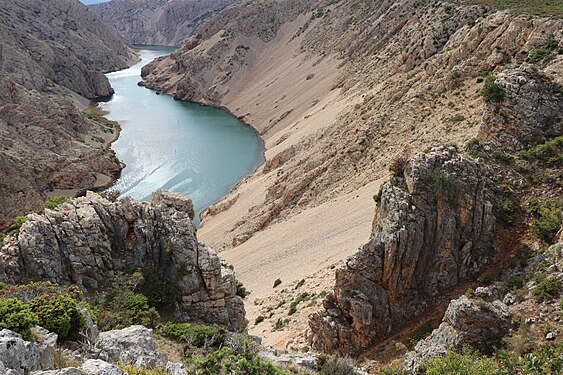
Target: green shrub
[[444, 184], [508, 210], [466, 363], [542, 52], [59, 314], [241, 290], [300, 284], [196, 335], [17, 316], [259, 319], [549, 218], [492, 91], [300, 298], [277, 282], [547, 289], [53, 202], [513, 283], [161, 294], [125, 308], [17, 224], [550, 152], [225, 362], [423, 332], [471, 142]]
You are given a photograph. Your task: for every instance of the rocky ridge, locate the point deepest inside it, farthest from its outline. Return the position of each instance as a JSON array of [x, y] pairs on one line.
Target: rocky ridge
[[162, 22], [432, 231], [52, 55], [88, 241]]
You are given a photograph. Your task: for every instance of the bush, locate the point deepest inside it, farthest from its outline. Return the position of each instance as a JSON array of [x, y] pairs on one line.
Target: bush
[[17, 224], [277, 282], [550, 152], [17, 316], [53, 202], [241, 290], [491, 91], [161, 294], [225, 362], [59, 314], [547, 289], [460, 364], [508, 209], [444, 184], [125, 308], [542, 52], [549, 221], [259, 319], [196, 335]]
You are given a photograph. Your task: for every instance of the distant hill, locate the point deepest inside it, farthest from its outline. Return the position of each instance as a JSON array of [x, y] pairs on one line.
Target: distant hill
[[50, 53], [164, 22]]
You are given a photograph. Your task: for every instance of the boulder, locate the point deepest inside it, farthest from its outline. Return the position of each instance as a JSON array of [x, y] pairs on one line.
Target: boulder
[[471, 322], [17, 354], [132, 345], [99, 367]]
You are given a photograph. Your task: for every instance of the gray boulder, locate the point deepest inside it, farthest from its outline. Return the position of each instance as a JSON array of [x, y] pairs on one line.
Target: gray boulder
[[99, 367], [132, 345], [17, 354], [471, 322]]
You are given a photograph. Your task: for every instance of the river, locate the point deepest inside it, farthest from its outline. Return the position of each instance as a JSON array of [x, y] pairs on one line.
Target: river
[[198, 151]]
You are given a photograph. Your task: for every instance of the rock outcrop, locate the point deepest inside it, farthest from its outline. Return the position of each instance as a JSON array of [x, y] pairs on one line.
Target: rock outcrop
[[85, 242], [163, 22], [468, 322], [532, 107], [22, 356], [52, 55], [433, 230]]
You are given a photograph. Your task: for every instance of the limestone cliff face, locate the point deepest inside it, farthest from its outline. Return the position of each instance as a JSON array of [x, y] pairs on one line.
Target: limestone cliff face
[[85, 242], [58, 41], [432, 232], [163, 22], [51, 53]]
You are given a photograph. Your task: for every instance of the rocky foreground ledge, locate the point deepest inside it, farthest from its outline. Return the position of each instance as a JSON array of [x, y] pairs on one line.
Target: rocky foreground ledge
[[87, 241]]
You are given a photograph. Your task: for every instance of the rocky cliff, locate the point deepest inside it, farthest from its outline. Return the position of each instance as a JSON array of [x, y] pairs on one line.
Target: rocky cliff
[[87, 241], [52, 55], [162, 22], [432, 231]]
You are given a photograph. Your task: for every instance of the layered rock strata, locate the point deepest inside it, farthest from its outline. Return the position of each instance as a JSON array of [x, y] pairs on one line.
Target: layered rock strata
[[162, 22], [433, 230], [87, 241]]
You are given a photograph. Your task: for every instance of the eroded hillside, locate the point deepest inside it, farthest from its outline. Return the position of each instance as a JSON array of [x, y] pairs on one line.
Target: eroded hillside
[[52, 56], [163, 22]]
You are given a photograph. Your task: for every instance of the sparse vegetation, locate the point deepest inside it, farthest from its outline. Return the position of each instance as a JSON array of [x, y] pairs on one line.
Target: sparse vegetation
[[543, 8], [334, 365], [492, 92], [461, 364], [17, 224], [201, 336], [508, 210], [259, 319], [17, 316], [277, 282], [53, 202], [421, 333], [444, 184], [97, 114], [547, 289], [550, 153], [241, 290], [142, 371], [543, 53], [549, 216]]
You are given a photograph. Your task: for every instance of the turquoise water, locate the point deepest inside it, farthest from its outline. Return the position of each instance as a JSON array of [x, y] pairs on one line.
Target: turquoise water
[[198, 151]]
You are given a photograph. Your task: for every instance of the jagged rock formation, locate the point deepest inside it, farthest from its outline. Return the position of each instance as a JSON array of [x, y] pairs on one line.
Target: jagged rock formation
[[468, 322], [531, 109], [85, 242], [163, 22], [431, 233], [50, 53]]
